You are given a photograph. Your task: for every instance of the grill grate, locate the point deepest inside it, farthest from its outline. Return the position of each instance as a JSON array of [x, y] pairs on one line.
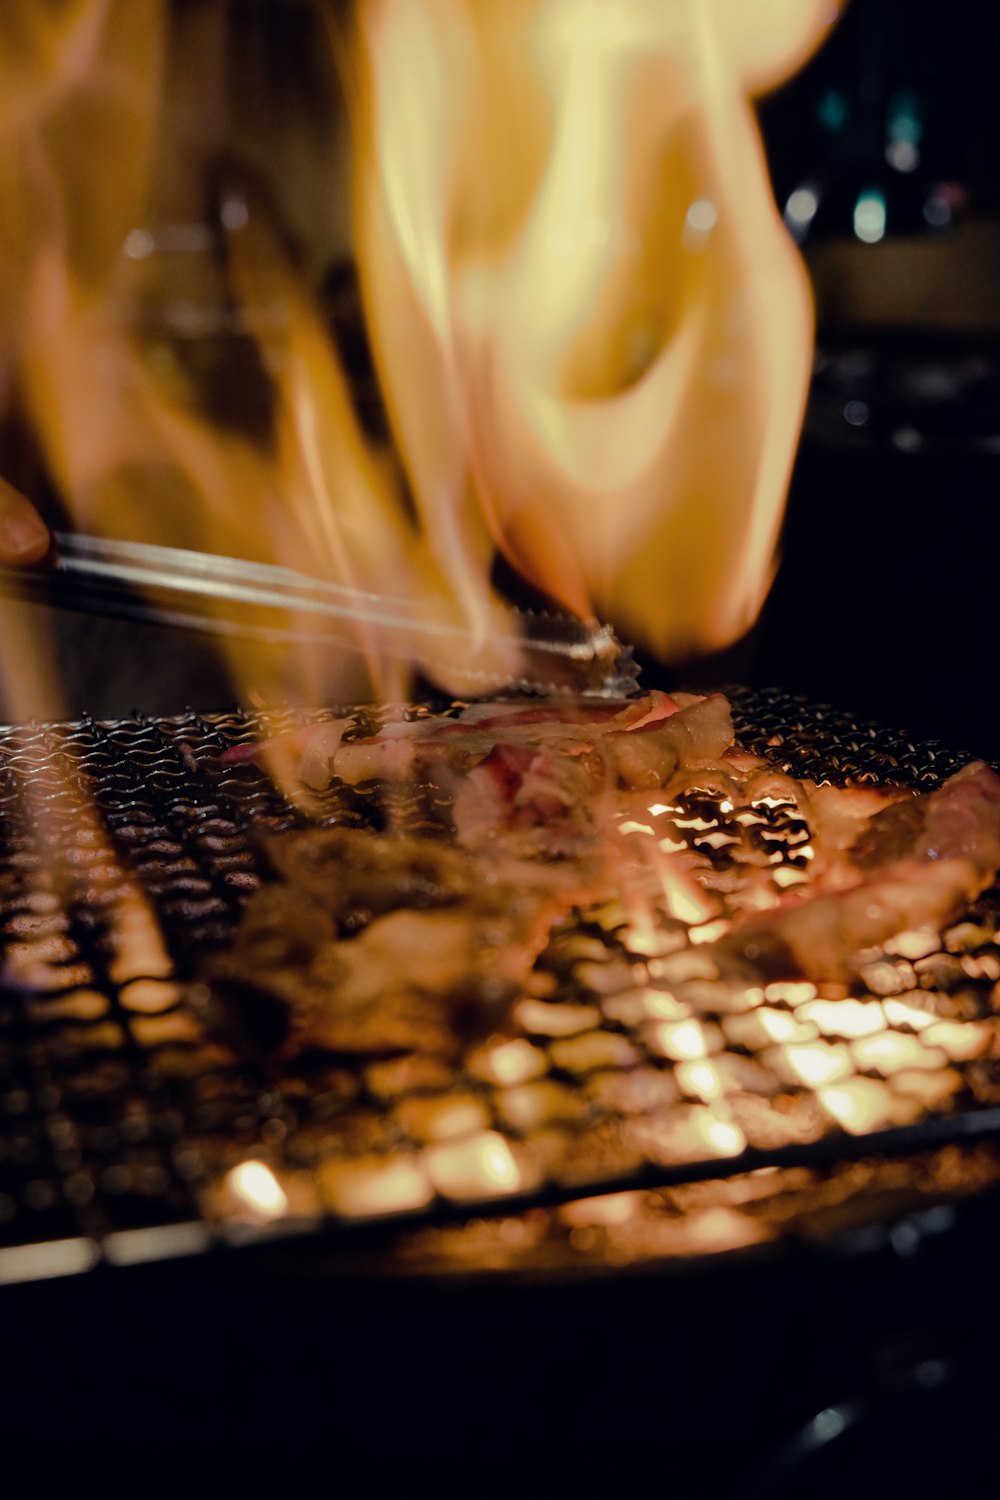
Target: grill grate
[[128, 854]]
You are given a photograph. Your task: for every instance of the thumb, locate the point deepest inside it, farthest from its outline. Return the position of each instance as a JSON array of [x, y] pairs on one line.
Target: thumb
[[24, 537]]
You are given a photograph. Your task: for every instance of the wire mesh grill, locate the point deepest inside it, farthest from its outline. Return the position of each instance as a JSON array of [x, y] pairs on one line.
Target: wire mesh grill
[[129, 853]]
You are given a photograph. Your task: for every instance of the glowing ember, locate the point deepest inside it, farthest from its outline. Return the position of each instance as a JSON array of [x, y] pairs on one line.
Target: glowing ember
[[257, 1189], [508, 1063], [723, 1137], [594, 1049], [442, 1118], [914, 945], [699, 1080], [645, 938], [149, 996], [898, 1013], [369, 1187], [682, 967], [756, 1028], [138, 945], [892, 1051], [612, 1208], [710, 932], [862, 1104], [789, 877], [815, 1064], [931, 1090], [531, 1105], [683, 1041], [847, 1018], [793, 993], [543, 1019], [672, 846], [482, 1166], [685, 1132], [962, 1041], [660, 1005]]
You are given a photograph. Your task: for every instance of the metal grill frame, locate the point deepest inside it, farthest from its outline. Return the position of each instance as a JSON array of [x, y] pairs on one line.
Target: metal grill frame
[[171, 823]]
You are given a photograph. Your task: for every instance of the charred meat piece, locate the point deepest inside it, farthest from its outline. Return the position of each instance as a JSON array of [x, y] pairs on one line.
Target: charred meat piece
[[378, 942], [353, 876], [693, 728], [918, 863], [960, 821]]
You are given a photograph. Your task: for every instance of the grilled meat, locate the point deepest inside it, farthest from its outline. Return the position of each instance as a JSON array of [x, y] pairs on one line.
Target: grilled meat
[[917, 863], [377, 942], [373, 942]]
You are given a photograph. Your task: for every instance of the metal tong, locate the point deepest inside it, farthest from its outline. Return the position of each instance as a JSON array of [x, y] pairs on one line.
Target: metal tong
[[230, 596]]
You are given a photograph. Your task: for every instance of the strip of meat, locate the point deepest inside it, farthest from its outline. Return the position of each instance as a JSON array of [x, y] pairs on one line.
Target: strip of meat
[[959, 821], [428, 748], [918, 863], [523, 765], [841, 816], [555, 795]]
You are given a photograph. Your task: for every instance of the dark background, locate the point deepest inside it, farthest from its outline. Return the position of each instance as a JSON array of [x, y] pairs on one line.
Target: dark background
[[886, 600]]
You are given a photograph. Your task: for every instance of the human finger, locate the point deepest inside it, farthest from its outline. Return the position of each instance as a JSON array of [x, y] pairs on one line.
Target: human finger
[[24, 537]]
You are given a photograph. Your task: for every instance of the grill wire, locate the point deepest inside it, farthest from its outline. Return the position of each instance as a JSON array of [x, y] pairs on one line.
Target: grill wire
[[120, 1116]]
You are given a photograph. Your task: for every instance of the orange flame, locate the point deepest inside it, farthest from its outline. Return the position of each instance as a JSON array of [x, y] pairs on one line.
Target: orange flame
[[592, 329]]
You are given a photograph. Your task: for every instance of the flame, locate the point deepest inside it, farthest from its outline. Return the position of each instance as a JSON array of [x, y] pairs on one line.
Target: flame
[[592, 329], [103, 322], [73, 86]]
